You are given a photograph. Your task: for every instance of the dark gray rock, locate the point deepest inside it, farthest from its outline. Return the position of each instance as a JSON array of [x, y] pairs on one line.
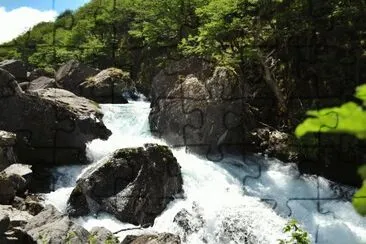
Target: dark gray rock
[[7, 156], [42, 82], [17, 235], [33, 205], [214, 110], [16, 67], [4, 222], [7, 139], [173, 75], [161, 238], [276, 144], [54, 228], [7, 189], [49, 117], [14, 178], [8, 85], [72, 74], [24, 85], [135, 185], [14, 181], [19, 183], [168, 78], [108, 86], [36, 73]]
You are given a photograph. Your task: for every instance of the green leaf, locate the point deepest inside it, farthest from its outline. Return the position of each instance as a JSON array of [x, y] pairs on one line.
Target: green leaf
[[359, 200], [361, 93], [349, 118]]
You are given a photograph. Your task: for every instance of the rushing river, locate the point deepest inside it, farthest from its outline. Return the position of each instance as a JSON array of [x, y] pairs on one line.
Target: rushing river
[[236, 200]]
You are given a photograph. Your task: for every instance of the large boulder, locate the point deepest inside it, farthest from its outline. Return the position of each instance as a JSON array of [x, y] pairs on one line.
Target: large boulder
[[160, 238], [21, 176], [70, 75], [207, 116], [42, 82], [15, 67], [134, 184], [52, 227], [52, 125], [7, 189], [4, 222], [14, 180], [8, 85], [108, 86]]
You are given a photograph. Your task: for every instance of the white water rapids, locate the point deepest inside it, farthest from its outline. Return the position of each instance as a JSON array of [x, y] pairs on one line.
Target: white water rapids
[[232, 211]]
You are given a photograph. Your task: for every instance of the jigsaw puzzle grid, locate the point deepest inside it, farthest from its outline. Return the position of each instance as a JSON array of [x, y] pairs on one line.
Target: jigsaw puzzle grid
[[214, 152]]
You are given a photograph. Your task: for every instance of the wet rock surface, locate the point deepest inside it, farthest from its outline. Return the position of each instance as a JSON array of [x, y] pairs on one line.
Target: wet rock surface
[[134, 185]]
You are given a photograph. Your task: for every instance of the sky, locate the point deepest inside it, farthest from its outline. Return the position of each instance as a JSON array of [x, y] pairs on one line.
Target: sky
[[18, 16]]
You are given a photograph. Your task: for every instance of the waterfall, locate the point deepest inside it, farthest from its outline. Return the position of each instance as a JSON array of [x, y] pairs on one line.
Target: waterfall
[[238, 200]]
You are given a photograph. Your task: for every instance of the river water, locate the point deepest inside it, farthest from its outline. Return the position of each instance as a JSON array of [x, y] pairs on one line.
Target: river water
[[234, 201]]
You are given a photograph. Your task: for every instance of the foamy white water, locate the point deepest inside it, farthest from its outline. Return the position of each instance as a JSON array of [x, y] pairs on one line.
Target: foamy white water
[[224, 196]]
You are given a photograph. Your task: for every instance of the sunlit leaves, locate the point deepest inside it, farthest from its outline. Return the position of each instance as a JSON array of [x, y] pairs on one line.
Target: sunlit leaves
[[361, 93], [349, 118], [298, 235]]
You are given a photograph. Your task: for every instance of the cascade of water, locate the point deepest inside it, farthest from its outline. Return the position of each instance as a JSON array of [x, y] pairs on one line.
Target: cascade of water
[[223, 209]]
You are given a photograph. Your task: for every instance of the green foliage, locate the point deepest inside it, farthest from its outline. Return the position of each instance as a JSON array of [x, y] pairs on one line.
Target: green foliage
[[349, 118], [257, 38], [129, 33], [111, 240], [70, 236], [92, 239], [43, 239], [359, 199], [298, 235]]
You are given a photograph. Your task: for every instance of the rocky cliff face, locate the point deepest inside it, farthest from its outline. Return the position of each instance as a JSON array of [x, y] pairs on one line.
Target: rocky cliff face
[[52, 125], [209, 115], [212, 111]]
